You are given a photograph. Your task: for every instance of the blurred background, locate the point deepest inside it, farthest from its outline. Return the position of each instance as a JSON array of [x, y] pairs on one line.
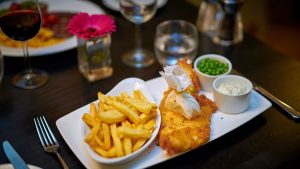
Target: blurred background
[[275, 22]]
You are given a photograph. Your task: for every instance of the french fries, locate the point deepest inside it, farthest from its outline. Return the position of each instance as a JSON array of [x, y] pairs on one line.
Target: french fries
[[93, 110], [120, 125], [111, 116], [139, 105], [127, 131], [106, 136], [127, 111], [139, 144]]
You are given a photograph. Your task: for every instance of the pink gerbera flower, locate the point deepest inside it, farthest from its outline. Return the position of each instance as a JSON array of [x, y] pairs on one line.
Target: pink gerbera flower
[[88, 26]]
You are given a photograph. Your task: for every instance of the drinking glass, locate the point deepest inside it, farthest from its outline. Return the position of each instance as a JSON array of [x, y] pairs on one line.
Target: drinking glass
[[20, 20], [138, 12], [175, 39]]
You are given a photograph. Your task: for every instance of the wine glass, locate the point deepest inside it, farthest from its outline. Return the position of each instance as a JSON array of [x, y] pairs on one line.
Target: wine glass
[[138, 12], [20, 20]]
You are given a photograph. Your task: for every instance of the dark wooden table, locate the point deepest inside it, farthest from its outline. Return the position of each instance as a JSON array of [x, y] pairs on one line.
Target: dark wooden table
[[271, 140]]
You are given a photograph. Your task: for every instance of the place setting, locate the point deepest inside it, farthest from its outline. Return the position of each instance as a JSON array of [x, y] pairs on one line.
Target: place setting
[[124, 142], [220, 124], [144, 119]]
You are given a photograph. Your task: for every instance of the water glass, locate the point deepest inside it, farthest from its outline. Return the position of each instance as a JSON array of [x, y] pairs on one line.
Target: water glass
[[1, 66], [175, 39], [94, 60]]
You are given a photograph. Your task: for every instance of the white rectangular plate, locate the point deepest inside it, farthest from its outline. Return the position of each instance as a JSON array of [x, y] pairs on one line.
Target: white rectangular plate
[[221, 124]]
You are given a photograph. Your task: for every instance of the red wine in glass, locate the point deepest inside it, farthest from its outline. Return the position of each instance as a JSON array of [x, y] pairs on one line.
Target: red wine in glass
[[22, 24]]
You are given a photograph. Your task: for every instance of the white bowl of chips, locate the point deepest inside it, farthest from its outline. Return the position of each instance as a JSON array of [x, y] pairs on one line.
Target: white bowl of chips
[[140, 131]]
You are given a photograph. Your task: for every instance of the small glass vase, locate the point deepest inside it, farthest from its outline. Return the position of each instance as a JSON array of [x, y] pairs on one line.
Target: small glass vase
[[94, 59]]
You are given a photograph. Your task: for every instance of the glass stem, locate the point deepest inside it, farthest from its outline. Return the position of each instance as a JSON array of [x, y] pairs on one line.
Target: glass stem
[[26, 57], [138, 40]]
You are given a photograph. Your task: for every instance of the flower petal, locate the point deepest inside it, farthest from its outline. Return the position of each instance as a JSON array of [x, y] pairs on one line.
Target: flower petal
[[85, 26], [78, 23]]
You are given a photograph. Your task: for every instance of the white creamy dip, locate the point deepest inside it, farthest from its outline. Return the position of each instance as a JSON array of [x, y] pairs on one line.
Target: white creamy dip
[[232, 88]]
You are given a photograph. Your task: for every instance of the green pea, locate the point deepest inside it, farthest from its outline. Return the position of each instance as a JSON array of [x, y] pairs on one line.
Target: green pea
[[212, 66]]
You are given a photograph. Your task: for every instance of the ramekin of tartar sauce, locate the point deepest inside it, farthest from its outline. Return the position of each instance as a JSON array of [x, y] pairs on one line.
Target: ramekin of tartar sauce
[[232, 93]]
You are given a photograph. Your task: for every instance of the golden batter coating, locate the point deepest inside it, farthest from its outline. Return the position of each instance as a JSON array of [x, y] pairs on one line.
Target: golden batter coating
[[178, 134]]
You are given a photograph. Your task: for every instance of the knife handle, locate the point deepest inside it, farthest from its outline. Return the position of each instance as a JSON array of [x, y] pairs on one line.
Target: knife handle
[[13, 156], [290, 110]]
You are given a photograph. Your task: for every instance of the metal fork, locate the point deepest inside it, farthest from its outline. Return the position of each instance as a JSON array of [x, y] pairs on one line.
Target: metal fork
[[47, 138]]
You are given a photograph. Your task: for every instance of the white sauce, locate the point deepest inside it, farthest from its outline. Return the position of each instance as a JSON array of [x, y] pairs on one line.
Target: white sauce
[[232, 88]]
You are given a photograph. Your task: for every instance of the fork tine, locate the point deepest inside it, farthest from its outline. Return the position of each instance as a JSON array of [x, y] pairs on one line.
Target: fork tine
[[39, 134], [46, 131], [41, 130], [50, 131]]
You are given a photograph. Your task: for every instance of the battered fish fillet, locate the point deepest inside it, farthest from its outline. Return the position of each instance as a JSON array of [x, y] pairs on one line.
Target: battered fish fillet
[[190, 72], [178, 134]]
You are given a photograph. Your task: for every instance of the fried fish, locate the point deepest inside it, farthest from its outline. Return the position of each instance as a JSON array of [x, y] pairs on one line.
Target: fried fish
[[179, 134]]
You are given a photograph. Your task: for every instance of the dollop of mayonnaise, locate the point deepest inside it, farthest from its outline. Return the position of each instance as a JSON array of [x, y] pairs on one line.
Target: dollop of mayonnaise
[[178, 100], [183, 104]]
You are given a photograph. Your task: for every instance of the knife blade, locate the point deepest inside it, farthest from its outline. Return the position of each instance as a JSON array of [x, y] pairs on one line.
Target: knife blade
[[13, 156]]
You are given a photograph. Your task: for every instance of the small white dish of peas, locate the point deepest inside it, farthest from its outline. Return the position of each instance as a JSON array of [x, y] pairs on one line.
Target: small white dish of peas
[[210, 66]]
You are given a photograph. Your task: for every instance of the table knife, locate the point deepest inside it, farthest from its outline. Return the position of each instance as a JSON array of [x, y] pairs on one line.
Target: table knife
[[292, 112], [13, 156]]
